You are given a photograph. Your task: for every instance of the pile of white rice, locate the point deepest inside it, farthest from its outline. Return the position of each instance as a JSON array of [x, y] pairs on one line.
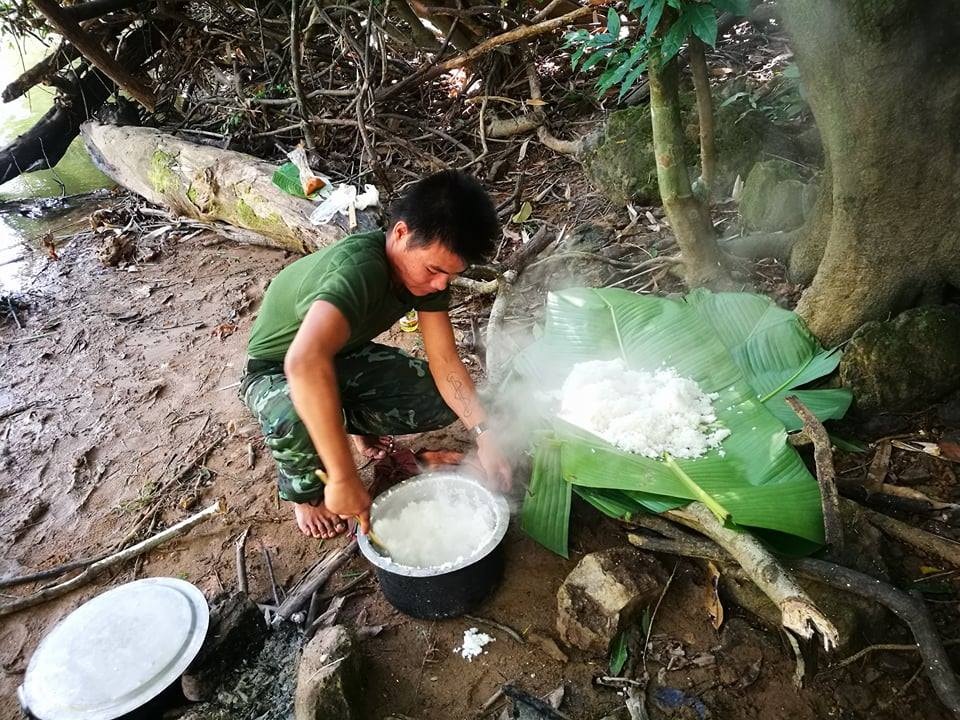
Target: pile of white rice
[[648, 413], [473, 644], [435, 533]]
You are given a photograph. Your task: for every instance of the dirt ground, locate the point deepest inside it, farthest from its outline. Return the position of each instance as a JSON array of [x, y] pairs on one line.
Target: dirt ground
[[123, 380]]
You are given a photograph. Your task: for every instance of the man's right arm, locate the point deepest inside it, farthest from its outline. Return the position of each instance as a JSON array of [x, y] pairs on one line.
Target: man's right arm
[[309, 367]]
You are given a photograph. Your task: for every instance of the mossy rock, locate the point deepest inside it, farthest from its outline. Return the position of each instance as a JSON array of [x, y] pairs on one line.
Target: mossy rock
[[623, 166], [775, 197], [904, 364]]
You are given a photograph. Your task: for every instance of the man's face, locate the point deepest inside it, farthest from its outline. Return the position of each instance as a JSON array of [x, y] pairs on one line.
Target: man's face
[[425, 269]]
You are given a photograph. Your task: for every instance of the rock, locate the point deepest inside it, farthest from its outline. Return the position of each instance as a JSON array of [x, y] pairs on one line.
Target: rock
[[774, 197], [904, 364], [328, 679], [623, 166], [237, 631], [603, 594]]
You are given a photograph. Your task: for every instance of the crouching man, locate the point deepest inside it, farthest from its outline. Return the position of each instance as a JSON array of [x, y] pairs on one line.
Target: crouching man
[[314, 376]]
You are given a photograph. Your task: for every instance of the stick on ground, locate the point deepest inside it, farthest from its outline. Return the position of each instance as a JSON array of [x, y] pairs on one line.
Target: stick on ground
[[798, 613], [55, 591], [826, 475]]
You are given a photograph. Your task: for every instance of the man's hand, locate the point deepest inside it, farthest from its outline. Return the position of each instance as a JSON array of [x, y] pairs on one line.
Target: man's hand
[[494, 462], [347, 497]]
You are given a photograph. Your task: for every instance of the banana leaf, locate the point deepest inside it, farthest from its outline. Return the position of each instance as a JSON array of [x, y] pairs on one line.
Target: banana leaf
[[744, 348]]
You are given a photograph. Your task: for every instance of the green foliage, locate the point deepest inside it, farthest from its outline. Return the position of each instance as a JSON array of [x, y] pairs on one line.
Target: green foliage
[[666, 24], [785, 103], [618, 653], [743, 347]]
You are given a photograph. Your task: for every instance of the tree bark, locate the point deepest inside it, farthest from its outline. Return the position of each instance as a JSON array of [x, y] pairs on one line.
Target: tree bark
[[883, 87], [701, 84], [689, 217], [210, 184]]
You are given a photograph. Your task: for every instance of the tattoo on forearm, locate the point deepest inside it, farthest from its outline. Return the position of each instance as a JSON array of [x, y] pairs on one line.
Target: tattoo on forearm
[[460, 394]]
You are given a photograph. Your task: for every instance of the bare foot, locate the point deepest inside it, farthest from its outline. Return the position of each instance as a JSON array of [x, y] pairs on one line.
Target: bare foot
[[316, 521], [373, 446]]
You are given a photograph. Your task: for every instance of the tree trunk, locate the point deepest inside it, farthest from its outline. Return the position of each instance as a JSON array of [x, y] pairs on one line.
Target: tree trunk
[[210, 184], [701, 84], [882, 82], [689, 217]]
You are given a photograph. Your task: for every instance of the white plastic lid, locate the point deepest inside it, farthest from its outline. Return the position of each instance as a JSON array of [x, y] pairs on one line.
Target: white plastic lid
[[117, 651]]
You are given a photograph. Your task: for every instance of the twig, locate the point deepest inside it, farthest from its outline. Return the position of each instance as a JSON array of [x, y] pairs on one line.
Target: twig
[[301, 593], [328, 595], [273, 579], [499, 626], [653, 615], [506, 38], [242, 561], [50, 572], [826, 475], [181, 528]]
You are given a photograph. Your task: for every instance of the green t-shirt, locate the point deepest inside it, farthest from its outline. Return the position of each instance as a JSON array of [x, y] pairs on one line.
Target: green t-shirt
[[354, 276]]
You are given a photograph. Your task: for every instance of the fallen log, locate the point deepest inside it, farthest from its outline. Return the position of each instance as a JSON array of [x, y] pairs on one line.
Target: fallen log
[[210, 184]]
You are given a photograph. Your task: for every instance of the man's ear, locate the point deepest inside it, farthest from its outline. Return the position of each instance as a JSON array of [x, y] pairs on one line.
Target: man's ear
[[401, 231]]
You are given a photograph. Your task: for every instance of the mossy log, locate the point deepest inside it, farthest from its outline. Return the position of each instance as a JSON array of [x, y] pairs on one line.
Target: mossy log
[[209, 184]]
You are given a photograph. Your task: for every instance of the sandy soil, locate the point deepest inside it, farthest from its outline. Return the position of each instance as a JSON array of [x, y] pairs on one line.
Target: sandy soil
[[124, 377]]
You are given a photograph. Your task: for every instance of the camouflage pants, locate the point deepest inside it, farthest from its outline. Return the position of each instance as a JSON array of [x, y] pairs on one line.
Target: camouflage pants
[[383, 392]]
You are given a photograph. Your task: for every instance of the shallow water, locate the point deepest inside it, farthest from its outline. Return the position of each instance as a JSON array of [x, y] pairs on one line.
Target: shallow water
[[74, 174]]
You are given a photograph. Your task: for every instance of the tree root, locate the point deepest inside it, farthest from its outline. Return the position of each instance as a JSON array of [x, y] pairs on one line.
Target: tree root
[[933, 545], [798, 612], [755, 246], [910, 610]]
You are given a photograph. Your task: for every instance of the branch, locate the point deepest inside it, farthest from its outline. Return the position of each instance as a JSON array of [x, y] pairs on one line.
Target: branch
[[295, 50], [55, 591], [301, 594], [798, 612], [57, 571], [826, 475], [64, 54], [67, 26], [507, 38]]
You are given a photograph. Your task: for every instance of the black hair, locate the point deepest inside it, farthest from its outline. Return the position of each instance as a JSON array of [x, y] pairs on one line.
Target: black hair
[[451, 208]]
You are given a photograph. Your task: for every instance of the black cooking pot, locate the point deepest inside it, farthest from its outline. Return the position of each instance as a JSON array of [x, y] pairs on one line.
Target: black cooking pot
[[455, 588]]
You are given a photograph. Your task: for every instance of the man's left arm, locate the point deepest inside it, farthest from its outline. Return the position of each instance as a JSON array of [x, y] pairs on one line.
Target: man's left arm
[[458, 391]]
